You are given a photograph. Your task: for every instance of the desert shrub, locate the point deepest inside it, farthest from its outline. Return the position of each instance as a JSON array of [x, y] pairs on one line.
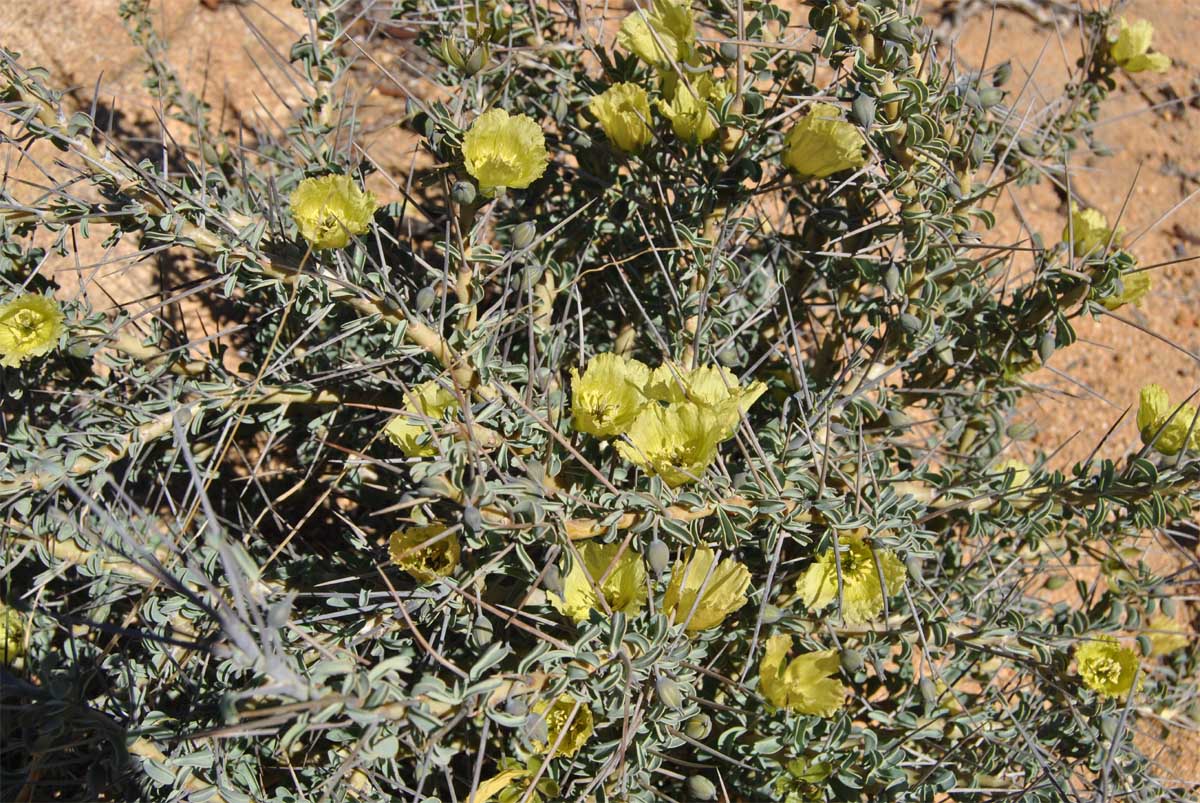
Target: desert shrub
[[657, 440]]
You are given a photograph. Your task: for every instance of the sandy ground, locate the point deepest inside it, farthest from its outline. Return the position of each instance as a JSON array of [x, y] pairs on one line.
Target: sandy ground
[[228, 53]]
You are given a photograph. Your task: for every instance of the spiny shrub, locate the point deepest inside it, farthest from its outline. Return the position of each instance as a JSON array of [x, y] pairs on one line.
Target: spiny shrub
[[654, 438]]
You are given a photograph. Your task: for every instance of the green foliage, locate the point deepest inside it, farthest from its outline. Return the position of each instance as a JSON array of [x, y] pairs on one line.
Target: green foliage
[[196, 530]]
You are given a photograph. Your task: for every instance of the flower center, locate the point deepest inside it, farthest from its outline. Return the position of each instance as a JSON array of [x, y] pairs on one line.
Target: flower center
[[25, 325]]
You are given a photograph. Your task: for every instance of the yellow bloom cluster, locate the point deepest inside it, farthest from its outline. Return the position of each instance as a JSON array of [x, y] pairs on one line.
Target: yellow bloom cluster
[[1106, 667], [1088, 233], [624, 113], [1165, 635], [862, 592], [689, 107], [821, 143], [702, 592], [1155, 410], [12, 634], [662, 36], [1131, 48], [566, 716], [1134, 287], [502, 151], [620, 579], [30, 326], [426, 552], [806, 684], [512, 783], [620, 396], [407, 429], [328, 209]]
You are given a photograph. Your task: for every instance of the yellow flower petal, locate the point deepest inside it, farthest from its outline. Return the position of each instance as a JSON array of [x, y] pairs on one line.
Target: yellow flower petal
[[862, 594], [807, 684], [623, 111], [12, 634], [821, 144], [328, 209], [501, 151], [1165, 635], [664, 34], [691, 118], [676, 443], [1106, 667], [564, 713], [1134, 287], [1155, 410], [720, 589], [30, 326], [712, 387], [1131, 50], [424, 553], [608, 397], [428, 400], [1089, 234], [623, 587]]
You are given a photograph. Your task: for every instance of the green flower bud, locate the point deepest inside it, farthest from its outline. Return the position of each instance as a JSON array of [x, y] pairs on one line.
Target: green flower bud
[[463, 192], [658, 555], [425, 298], [669, 693], [523, 234], [700, 788], [698, 727], [852, 659]]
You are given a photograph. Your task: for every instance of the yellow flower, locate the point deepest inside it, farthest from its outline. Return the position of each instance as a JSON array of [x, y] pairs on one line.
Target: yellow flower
[[502, 151], [426, 400], [1154, 410], [689, 112], [676, 443], [1131, 49], [721, 588], [664, 34], [1106, 667], [806, 684], [607, 398], [1091, 232], [30, 326], [558, 715], [328, 209], [415, 551], [624, 587], [1134, 287], [821, 144], [1165, 635], [511, 784], [1019, 469], [623, 111], [712, 387], [12, 634], [862, 594]]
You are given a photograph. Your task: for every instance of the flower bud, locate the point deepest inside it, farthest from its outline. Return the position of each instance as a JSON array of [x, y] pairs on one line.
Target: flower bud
[[552, 580], [1055, 582], [425, 298], [698, 727], [700, 788], [852, 659], [1002, 74], [463, 192], [658, 555], [451, 54], [523, 235], [863, 110], [1022, 431], [477, 60], [669, 693], [1046, 346]]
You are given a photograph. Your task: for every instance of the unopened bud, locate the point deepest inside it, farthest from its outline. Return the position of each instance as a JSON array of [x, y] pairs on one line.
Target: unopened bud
[[669, 693], [463, 192], [852, 660], [552, 580], [523, 234], [425, 298], [700, 788], [698, 727], [658, 555]]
